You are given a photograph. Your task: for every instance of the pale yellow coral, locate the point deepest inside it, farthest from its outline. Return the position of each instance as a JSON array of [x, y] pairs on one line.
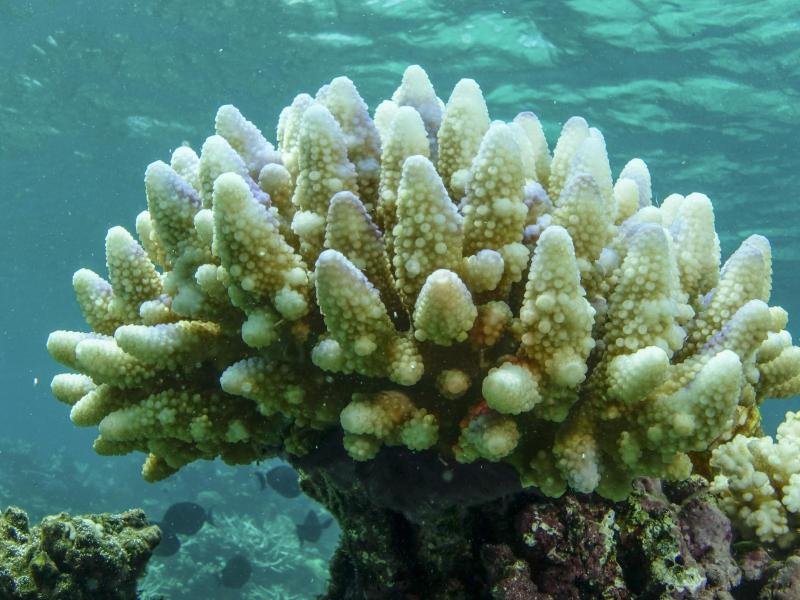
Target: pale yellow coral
[[511, 389], [365, 338], [181, 415], [697, 245], [556, 318], [491, 323], [416, 90], [491, 437], [405, 137], [71, 387], [574, 132], [637, 171], [105, 362], [583, 212], [428, 232], [185, 162], [745, 276], [452, 383], [591, 158], [94, 295], [261, 329], [494, 213], [577, 455], [632, 376], [484, 270], [384, 114], [692, 417], [464, 124], [342, 99], [279, 388], [245, 138], [324, 169], [172, 204], [444, 312], [620, 349], [96, 404], [757, 482], [643, 308], [530, 124], [351, 231], [149, 239], [257, 258], [168, 345], [779, 365], [276, 180], [288, 133], [217, 157], [132, 274], [626, 198], [386, 418]]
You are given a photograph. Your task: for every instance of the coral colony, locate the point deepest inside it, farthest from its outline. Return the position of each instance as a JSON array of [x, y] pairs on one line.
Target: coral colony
[[433, 279]]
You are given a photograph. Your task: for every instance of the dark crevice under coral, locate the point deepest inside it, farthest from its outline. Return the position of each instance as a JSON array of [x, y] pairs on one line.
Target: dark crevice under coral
[[415, 526]]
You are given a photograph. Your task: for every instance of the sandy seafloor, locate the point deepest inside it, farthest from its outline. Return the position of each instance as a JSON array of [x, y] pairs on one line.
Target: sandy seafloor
[[707, 93]]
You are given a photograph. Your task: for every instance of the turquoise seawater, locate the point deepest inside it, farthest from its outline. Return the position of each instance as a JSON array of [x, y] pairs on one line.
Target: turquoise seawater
[[707, 93]]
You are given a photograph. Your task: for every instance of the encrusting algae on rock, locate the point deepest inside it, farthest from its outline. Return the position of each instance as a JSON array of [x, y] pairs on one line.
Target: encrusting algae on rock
[[87, 557], [430, 279]]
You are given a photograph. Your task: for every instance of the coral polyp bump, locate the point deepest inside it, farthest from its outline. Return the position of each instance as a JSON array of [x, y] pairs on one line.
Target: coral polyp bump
[[428, 278]]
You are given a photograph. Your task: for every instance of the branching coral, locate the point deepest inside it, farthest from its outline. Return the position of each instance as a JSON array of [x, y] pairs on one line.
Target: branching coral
[[758, 483], [431, 279]]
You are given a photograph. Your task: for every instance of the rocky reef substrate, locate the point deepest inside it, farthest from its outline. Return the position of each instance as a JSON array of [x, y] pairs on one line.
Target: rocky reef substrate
[[89, 557], [415, 526]]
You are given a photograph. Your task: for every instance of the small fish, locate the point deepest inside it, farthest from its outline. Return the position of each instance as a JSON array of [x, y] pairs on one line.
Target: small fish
[[186, 518], [169, 544], [236, 572], [311, 529], [282, 479]]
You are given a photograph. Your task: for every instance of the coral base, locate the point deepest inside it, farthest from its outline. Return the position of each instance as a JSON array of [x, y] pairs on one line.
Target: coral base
[[414, 526]]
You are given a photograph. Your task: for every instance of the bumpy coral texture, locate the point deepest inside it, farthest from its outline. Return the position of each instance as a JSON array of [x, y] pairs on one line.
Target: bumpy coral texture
[[757, 481], [429, 279]]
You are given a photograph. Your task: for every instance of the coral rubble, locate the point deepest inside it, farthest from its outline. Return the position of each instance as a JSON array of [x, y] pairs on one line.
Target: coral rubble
[[98, 557], [430, 279]]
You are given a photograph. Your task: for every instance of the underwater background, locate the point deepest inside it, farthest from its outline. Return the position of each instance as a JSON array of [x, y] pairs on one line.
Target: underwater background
[[707, 93]]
